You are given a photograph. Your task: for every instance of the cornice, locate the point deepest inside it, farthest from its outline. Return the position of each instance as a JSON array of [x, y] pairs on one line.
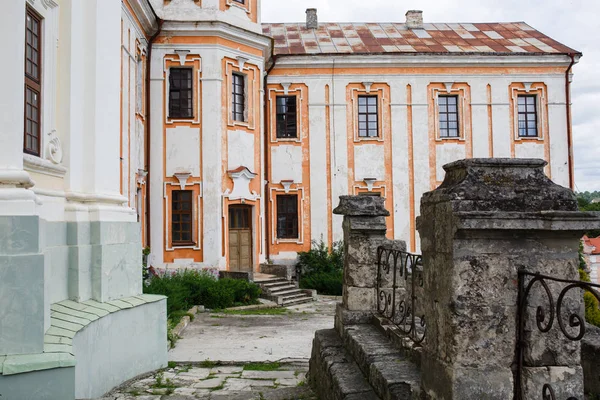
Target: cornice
[[144, 14]]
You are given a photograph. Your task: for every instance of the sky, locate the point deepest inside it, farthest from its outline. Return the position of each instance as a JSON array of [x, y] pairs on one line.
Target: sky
[[575, 23]]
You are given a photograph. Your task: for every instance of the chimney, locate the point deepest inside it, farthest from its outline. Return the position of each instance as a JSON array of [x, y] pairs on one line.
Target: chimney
[[414, 19], [312, 22]]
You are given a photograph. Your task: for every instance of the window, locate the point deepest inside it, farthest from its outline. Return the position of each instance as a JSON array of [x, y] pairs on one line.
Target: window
[[182, 217], [240, 1], [180, 93], [368, 123], [286, 117], [527, 116], [33, 80], [287, 216], [239, 102], [448, 114], [374, 194]]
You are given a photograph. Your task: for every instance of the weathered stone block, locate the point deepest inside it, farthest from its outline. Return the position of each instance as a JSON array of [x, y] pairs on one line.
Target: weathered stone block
[[359, 299], [590, 360], [567, 382]]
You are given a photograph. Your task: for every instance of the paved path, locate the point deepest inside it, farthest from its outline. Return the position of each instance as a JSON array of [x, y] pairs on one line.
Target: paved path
[[237, 340], [244, 338]]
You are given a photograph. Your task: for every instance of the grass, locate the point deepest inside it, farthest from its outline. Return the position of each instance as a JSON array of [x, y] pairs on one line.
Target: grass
[[261, 311], [262, 366], [208, 364], [162, 383]]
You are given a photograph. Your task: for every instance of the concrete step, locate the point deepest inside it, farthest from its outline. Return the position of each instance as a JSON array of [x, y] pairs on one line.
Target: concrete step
[[333, 373], [294, 296], [264, 281], [280, 288], [391, 374], [271, 285]]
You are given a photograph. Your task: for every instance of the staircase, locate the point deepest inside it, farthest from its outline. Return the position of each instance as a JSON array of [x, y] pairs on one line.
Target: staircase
[[282, 291], [361, 364]]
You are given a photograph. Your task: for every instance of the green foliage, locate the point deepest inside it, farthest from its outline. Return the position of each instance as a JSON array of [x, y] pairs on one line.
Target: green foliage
[[145, 270], [584, 200], [322, 269], [329, 283], [189, 288], [592, 306]]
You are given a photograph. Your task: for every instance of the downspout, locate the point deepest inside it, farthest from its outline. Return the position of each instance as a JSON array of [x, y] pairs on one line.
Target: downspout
[[266, 150], [148, 125], [569, 127]]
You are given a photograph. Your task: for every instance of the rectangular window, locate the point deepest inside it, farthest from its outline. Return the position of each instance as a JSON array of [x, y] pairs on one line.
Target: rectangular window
[[240, 1], [527, 116], [287, 216], [238, 93], [181, 206], [33, 81], [180, 93], [286, 117], [448, 114], [368, 120]]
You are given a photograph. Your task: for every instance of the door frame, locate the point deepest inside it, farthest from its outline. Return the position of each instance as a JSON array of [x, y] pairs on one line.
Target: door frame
[[252, 227]]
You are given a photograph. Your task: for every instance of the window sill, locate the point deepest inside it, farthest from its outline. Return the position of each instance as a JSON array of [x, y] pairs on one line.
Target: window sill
[[39, 165], [184, 244]]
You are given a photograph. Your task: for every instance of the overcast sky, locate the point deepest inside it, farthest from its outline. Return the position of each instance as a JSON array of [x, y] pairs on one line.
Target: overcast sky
[[575, 23]]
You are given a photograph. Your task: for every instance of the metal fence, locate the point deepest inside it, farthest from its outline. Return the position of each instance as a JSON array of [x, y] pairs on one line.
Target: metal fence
[[567, 311], [400, 291]]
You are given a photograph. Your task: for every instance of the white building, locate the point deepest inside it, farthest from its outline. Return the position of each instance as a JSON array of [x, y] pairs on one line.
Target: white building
[[191, 127]]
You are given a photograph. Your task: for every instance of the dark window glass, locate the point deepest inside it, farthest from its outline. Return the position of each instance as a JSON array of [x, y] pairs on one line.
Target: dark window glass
[[33, 80], [287, 216], [240, 1], [368, 122], [180, 93], [182, 217], [374, 194], [239, 102], [448, 110], [527, 116], [286, 117]]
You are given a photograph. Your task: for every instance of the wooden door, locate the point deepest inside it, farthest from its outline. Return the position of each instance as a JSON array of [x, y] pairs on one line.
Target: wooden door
[[240, 239]]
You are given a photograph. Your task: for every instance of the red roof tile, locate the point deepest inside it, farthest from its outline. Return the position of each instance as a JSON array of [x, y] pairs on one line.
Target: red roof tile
[[371, 38]]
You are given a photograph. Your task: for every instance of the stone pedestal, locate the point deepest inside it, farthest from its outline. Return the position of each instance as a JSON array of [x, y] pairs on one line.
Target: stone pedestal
[[489, 219], [364, 231]]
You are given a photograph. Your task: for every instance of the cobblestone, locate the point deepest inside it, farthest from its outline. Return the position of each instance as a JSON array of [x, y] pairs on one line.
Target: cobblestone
[[230, 382]]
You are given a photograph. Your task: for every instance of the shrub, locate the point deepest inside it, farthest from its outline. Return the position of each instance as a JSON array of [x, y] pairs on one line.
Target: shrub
[[592, 306], [322, 269], [189, 288]]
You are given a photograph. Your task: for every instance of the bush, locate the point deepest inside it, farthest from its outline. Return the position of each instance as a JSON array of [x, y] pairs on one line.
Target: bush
[[592, 306], [322, 269], [189, 288]]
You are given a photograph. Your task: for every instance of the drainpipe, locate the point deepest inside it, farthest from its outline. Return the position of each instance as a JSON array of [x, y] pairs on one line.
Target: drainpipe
[[266, 149], [569, 127], [147, 135]]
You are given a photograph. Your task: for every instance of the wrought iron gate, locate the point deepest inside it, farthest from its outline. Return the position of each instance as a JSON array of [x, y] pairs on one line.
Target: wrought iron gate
[[571, 323]]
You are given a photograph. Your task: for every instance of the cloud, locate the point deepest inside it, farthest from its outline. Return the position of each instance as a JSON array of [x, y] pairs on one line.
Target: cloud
[[571, 22]]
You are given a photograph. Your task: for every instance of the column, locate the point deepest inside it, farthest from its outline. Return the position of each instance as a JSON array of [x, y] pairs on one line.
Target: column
[[364, 231]]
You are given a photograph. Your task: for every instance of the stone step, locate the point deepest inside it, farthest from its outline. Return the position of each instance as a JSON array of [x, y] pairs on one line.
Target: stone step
[[392, 375], [294, 296], [263, 281], [333, 373], [297, 301], [271, 285], [285, 292]]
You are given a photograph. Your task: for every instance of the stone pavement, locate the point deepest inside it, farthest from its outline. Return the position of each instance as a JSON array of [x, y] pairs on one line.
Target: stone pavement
[[231, 382], [254, 338], [212, 359]]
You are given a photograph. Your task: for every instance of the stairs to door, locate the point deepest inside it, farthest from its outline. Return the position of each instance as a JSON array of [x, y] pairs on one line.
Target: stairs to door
[[281, 291]]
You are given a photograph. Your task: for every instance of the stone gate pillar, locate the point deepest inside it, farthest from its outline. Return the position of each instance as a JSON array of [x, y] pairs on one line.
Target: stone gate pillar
[[488, 219], [364, 231]]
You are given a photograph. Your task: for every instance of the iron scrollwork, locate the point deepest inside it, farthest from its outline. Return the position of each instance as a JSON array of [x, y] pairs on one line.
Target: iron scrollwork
[[399, 278], [570, 323]]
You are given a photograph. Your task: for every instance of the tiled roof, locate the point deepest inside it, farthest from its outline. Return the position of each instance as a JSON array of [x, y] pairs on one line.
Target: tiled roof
[[373, 38], [594, 243]]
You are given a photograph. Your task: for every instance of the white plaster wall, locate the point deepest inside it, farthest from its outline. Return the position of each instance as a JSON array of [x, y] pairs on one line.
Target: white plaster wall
[[118, 347], [183, 150], [366, 163], [240, 150], [369, 162], [529, 150], [445, 154], [287, 163], [318, 159]]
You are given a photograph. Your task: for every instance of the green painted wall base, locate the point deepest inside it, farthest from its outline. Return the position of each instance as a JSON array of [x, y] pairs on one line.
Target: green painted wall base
[[51, 384]]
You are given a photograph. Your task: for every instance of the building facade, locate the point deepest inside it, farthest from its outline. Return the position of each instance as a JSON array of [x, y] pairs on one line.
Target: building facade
[[280, 120], [192, 128]]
